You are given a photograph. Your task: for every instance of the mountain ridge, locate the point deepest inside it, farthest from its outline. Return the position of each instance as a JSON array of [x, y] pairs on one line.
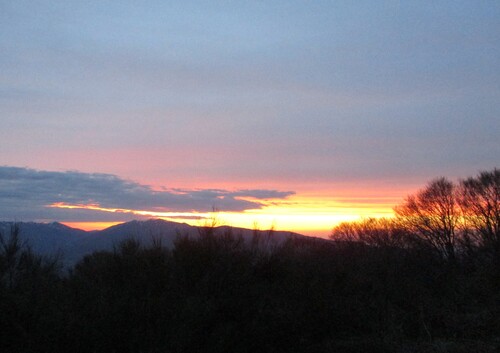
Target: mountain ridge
[[72, 244]]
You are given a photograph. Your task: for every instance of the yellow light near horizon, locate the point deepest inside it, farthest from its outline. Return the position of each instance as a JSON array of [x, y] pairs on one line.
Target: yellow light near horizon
[[310, 216], [89, 226]]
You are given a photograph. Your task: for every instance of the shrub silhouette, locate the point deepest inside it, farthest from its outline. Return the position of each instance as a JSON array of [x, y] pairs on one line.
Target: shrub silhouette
[[31, 298]]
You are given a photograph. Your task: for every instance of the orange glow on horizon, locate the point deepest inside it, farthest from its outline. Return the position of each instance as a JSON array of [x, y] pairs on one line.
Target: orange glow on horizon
[[89, 226], [307, 215]]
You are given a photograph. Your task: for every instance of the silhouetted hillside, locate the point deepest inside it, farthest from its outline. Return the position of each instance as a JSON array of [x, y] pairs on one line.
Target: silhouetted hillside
[[72, 244], [219, 292]]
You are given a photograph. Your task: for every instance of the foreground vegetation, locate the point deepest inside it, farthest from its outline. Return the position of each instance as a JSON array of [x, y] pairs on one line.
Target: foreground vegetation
[[381, 286]]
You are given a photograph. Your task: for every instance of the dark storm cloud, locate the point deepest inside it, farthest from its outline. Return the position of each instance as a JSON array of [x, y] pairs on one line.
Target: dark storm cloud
[[27, 193]]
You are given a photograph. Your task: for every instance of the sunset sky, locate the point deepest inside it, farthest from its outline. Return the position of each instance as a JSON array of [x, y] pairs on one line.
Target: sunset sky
[[292, 114]]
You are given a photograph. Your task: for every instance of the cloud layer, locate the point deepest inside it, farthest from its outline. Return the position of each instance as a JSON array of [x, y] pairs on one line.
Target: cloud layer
[[27, 194]]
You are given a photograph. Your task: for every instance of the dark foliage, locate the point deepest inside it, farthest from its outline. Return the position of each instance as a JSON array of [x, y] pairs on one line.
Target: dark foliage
[[218, 294], [379, 289], [31, 294]]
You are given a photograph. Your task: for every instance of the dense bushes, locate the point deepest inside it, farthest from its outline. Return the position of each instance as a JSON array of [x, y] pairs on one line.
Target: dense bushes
[[31, 294], [220, 294]]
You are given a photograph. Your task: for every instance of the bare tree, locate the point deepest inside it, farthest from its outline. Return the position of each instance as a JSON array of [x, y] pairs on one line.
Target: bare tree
[[346, 231], [479, 198], [381, 232], [432, 215]]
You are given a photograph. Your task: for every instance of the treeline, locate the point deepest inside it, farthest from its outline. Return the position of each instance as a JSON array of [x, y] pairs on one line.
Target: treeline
[[450, 219], [386, 287]]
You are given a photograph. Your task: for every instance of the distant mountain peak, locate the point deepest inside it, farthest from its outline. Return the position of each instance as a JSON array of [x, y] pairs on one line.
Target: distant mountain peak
[[58, 225], [55, 237]]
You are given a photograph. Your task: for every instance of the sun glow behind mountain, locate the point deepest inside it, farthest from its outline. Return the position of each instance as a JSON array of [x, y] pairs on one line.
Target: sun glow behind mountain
[[307, 215]]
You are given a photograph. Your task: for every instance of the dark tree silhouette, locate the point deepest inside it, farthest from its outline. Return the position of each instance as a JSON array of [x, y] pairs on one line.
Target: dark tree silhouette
[[479, 198], [381, 232], [31, 302], [379, 290], [432, 215]]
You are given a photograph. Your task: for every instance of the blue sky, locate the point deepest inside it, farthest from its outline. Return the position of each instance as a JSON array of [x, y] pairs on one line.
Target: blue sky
[[278, 95]]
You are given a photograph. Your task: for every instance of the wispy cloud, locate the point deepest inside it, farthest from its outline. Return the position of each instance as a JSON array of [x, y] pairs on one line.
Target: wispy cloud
[[29, 194]]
